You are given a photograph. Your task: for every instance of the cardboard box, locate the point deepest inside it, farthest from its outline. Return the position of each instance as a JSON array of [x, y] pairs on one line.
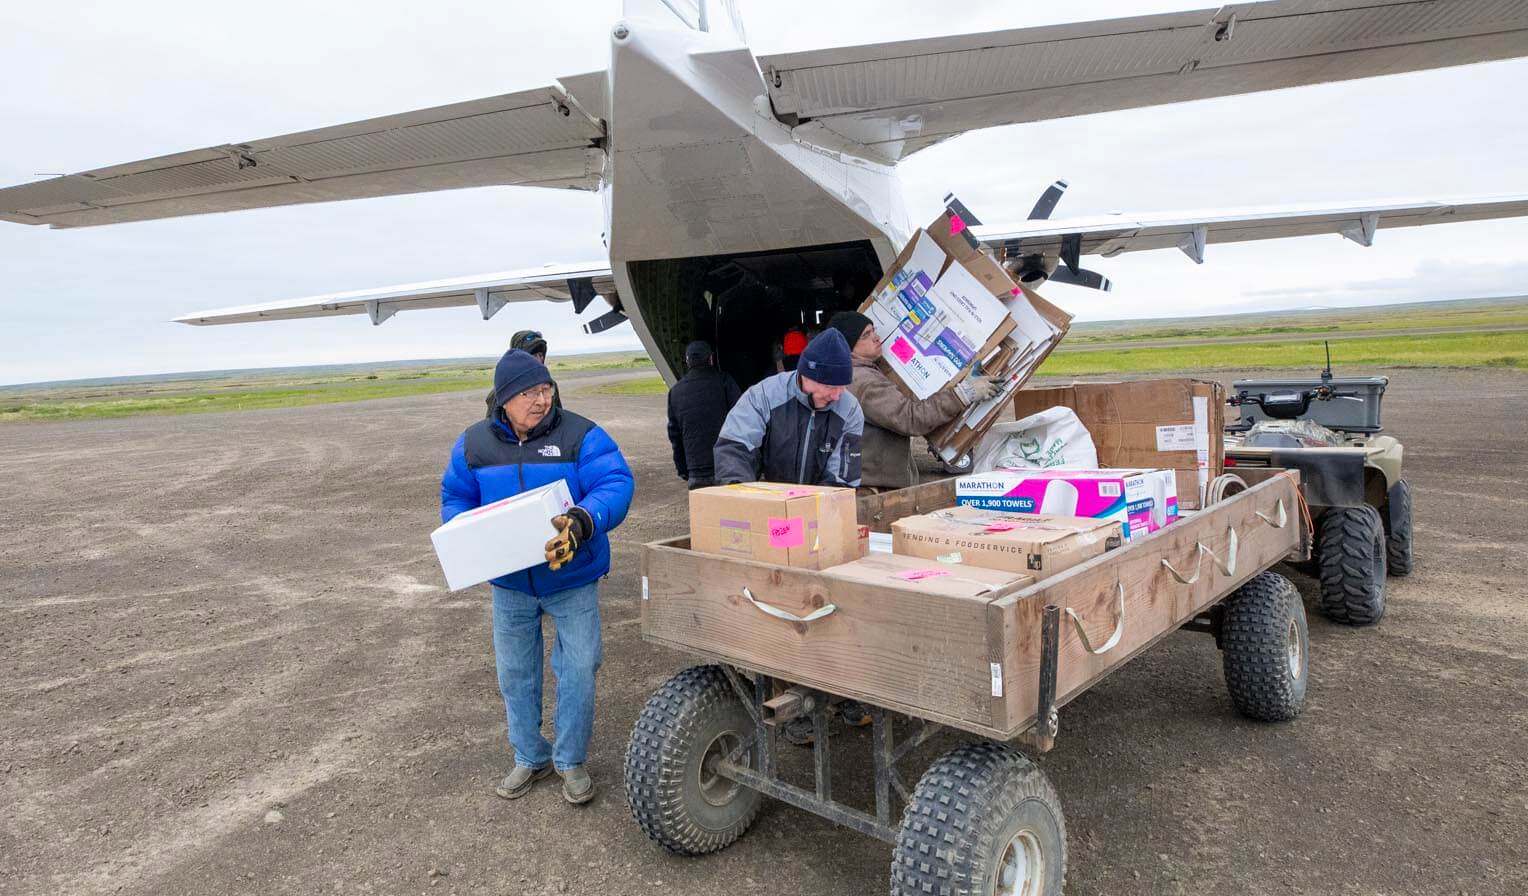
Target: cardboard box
[[1017, 542], [1152, 424], [939, 308], [806, 526], [1040, 327], [927, 575], [1128, 497], [499, 538]]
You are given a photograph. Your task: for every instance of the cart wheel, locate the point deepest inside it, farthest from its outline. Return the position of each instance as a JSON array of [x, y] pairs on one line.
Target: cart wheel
[[694, 719], [1267, 648], [1398, 541], [1352, 565], [984, 821]]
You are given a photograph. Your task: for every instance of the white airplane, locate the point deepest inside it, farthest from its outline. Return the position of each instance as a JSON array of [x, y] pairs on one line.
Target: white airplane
[[745, 193]]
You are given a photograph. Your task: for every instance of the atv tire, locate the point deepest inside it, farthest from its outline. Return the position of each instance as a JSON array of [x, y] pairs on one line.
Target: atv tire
[[1266, 648], [675, 794], [984, 820], [1398, 541], [1353, 563]]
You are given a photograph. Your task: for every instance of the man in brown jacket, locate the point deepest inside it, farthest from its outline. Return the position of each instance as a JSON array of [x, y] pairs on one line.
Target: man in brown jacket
[[891, 417]]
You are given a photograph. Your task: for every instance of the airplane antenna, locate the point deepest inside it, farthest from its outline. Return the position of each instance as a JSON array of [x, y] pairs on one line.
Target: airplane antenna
[[1326, 375]]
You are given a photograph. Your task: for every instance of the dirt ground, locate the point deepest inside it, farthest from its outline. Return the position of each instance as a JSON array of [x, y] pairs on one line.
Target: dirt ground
[[229, 666]]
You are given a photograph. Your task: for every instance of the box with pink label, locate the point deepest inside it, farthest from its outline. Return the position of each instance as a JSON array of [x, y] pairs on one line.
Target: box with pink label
[[1141, 501]]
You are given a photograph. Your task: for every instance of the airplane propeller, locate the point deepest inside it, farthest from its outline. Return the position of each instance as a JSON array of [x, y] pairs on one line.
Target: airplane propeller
[[1033, 270]]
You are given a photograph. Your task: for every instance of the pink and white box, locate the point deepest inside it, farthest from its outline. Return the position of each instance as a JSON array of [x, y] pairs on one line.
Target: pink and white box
[[1141, 500]]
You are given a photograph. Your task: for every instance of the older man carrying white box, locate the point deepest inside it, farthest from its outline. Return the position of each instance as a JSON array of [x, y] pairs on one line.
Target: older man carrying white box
[[529, 443]]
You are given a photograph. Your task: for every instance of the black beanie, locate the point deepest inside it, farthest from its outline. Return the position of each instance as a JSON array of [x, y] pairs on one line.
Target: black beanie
[[516, 372], [850, 323], [528, 341], [826, 359]]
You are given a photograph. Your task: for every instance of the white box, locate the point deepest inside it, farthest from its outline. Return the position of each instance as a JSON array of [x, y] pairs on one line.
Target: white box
[[500, 538]]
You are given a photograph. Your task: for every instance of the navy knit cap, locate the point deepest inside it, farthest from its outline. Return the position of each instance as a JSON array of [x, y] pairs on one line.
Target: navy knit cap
[[516, 372], [826, 359]]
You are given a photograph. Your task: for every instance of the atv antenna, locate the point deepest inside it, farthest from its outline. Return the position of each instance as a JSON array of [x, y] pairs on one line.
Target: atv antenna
[[1326, 375]]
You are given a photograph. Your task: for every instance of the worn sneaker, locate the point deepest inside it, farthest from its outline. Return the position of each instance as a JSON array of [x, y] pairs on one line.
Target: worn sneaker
[[518, 782], [577, 786]]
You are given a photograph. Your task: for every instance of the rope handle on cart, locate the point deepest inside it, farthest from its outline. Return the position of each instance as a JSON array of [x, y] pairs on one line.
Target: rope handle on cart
[[820, 612], [1227, 566], [1119, 627], [1283, 516]]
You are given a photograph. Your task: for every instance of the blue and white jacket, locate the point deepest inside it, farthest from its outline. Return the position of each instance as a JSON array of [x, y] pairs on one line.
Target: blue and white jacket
[[489, 464]]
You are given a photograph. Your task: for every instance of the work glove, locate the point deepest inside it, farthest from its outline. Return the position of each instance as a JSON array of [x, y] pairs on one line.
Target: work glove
[[976, 389], [574, 528]]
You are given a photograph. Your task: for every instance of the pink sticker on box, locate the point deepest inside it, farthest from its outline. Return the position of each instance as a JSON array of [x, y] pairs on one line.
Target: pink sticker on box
[[957, 223], [913, 575], [902, 349], [1000, 527], [797, 492], [787, 532]]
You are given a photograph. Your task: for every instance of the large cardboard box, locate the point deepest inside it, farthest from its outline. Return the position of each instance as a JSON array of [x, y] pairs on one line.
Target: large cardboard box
[[806, 526], [1040, 327], [499, 538], [944, 579], [1151, 424], [1135, 500], [1027, 543], [939, 308]]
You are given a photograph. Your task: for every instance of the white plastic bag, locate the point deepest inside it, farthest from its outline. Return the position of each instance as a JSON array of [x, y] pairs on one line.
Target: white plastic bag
[[1051, 439]]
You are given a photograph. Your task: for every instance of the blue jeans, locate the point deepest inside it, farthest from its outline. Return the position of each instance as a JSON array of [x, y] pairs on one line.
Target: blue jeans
[[576, 652]]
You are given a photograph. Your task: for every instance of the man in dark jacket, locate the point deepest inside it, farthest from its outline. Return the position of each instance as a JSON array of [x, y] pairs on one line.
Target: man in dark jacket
[[799, 426], [697, 405], [528, 443], [534, 344]]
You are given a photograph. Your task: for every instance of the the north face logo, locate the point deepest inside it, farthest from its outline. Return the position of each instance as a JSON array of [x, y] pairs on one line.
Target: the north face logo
[[550, 451]]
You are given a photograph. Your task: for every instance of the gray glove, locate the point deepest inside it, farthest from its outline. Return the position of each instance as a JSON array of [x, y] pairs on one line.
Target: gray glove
[[976, 389]]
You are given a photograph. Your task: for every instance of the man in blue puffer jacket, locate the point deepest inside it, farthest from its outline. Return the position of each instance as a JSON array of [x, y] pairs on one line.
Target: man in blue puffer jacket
[[529, 442]]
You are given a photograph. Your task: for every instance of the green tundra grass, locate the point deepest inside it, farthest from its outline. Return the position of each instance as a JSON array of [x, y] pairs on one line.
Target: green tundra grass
[[1097, 349], [272, 389], [1509, 349]]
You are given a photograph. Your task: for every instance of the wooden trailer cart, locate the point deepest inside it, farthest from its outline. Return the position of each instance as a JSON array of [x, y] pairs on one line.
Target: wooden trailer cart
[[782, 643]]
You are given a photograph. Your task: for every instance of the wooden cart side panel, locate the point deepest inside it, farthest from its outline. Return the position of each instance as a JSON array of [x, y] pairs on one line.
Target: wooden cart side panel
[[880, 511], [1156, 604], [902, 648]]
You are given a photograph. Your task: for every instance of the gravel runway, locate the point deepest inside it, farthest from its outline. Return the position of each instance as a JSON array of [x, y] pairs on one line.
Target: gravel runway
[[228, 664]]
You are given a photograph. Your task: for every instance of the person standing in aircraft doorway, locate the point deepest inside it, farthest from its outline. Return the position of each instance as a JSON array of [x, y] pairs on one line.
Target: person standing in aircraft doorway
[[697, 405]]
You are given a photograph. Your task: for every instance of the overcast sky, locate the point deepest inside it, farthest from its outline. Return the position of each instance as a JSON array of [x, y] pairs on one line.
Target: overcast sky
[[89, 84]]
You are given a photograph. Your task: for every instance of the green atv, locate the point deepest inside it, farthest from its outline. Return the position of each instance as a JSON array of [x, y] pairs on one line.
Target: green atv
[[1350, 475]]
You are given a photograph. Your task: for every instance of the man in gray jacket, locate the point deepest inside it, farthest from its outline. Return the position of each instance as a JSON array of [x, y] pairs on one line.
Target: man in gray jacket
[[799, 426], [891, 416]]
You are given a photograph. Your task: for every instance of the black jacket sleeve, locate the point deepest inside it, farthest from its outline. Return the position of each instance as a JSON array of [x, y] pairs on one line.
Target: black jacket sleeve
[[676, 439]]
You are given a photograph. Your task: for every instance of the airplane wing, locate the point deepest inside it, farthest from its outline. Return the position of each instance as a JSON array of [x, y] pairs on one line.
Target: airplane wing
[[535, 138], [578, 283], [896, 98], [1109, 235]]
